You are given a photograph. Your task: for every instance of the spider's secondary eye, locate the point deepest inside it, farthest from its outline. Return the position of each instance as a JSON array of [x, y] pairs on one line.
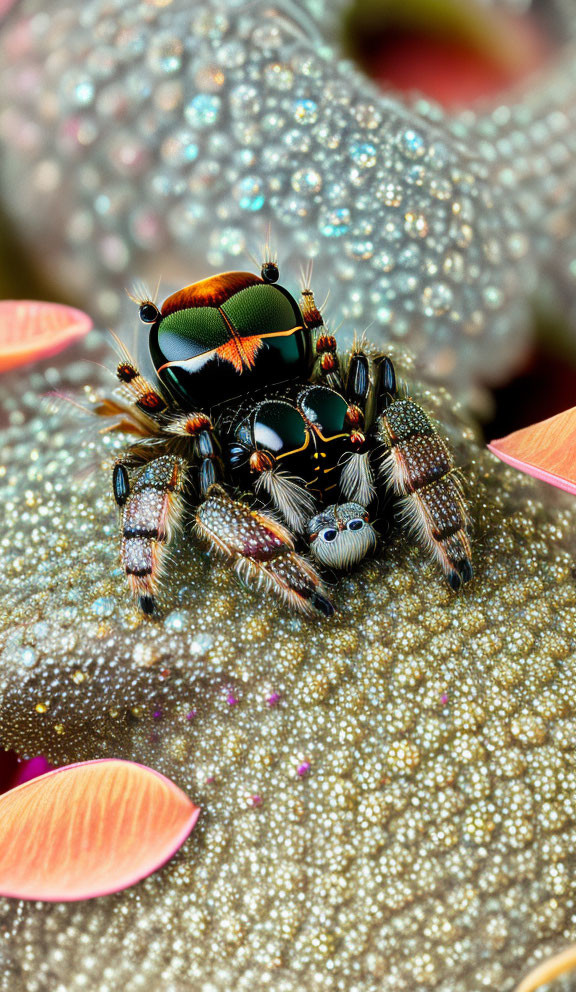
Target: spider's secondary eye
[[149, 312], [329, 534], [355, 524], [270, 272]]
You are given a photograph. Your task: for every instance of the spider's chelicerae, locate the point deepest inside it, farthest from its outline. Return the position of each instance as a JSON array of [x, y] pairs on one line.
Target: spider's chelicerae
[[257, 436]]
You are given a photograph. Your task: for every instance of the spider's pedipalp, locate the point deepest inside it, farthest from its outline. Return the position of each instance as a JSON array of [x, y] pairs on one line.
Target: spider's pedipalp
[[357, 478], [288, 495], [261, 551], [139, 390], [150, 516]]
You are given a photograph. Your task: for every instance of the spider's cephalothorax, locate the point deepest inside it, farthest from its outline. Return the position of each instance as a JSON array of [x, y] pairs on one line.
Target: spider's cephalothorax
[[255, 431]]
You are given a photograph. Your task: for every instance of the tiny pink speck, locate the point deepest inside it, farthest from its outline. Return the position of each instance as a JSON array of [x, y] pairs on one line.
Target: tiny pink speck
[[273, 699], [304, 768]]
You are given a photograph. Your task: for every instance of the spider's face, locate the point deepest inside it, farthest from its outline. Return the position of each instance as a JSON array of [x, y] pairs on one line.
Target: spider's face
[[226, 335], [341, 536]]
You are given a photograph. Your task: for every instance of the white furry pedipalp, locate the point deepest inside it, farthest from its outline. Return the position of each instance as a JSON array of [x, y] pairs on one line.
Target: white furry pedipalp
[[357, 478], [288, 495]]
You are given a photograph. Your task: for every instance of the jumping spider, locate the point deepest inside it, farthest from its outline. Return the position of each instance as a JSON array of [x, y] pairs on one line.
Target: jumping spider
[[255, 429]]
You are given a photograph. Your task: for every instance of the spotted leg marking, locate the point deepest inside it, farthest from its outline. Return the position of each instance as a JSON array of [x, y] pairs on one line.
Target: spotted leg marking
[[261, 551], [418, 467], [151, 509]]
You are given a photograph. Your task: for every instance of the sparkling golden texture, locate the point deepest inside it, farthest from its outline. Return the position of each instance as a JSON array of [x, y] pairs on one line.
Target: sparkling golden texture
[[388, 798]]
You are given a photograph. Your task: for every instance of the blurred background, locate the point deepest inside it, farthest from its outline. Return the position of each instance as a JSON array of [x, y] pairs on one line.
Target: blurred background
[[455, 62]]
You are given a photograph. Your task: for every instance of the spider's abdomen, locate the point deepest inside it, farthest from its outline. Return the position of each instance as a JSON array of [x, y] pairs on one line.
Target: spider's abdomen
[[227, 336]]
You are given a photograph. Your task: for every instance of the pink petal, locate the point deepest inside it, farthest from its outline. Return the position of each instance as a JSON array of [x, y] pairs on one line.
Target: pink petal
[[89, 829], [546, 450], [5, 6], [30, 330]]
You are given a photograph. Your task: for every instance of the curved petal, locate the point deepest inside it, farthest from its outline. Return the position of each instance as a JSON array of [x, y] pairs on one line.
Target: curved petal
[[546, 450], [30, 330], [89, 829], [561, 964]]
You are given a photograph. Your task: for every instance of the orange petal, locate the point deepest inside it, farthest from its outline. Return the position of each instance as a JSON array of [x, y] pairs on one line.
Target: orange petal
[[561, 964], [89, 829], [546, 450], [30, 330]]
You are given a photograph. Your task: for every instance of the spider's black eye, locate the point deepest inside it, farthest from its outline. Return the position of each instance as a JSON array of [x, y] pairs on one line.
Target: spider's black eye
[[269, 272], [149, 312], [329, 534], [356, 524]]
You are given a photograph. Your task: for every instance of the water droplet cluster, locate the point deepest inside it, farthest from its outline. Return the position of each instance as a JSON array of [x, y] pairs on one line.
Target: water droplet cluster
[[136, 128]]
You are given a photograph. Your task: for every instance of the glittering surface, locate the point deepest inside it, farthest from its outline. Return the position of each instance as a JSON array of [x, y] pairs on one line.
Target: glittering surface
[[387, 798], [141, 138]]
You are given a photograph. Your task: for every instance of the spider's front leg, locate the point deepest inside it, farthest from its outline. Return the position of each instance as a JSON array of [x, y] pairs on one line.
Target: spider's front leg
[[261, 551], [151, 507], [419, 469]]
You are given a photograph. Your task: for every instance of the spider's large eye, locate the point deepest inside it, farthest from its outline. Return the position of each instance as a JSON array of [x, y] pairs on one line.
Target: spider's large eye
[[149, 313], [328, 534], [355, 524]]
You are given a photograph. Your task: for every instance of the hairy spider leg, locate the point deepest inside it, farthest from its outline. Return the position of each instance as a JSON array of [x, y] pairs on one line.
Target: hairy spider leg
[[260, 551], [418, 468], [151, 512], [206, 448]]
